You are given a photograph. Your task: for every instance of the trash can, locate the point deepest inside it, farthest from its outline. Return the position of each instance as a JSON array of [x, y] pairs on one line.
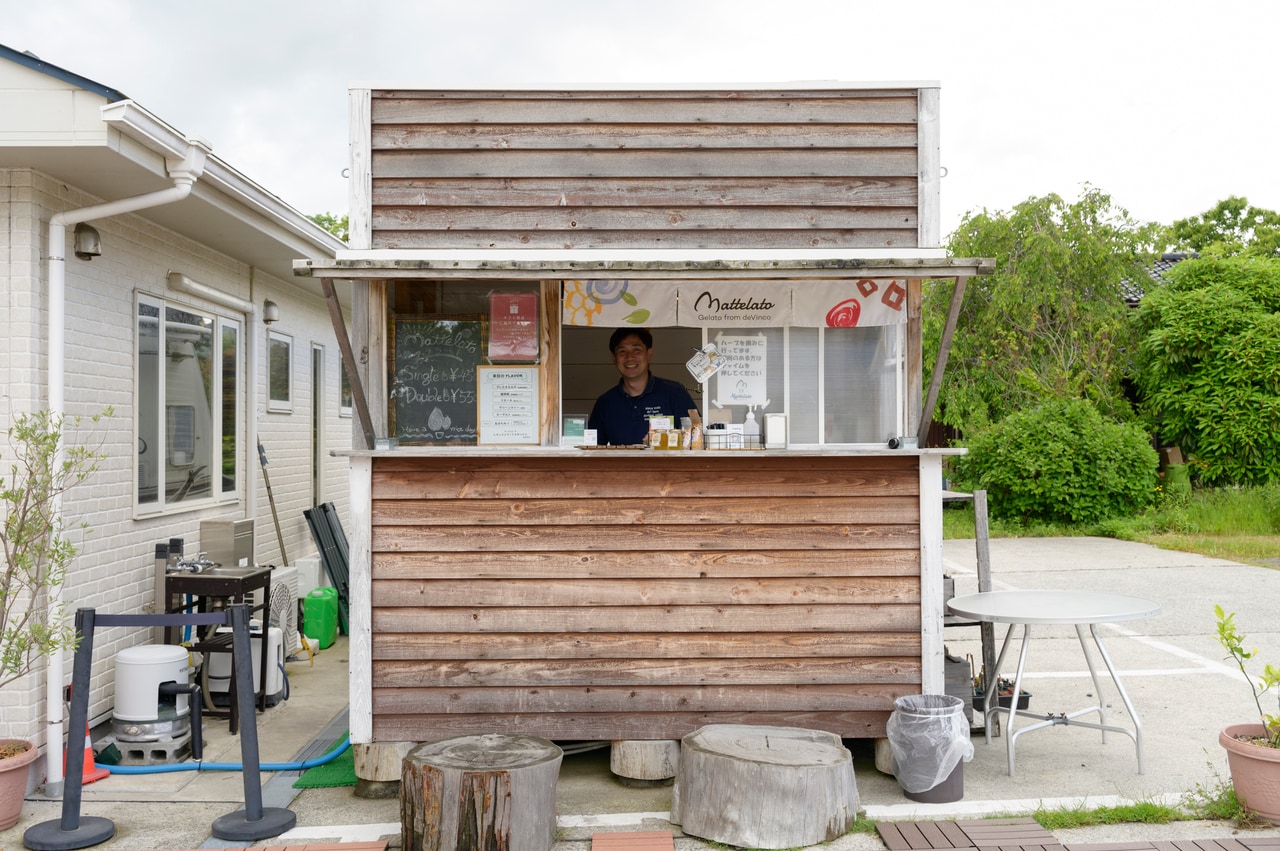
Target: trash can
[[929, 736], [320, 615]]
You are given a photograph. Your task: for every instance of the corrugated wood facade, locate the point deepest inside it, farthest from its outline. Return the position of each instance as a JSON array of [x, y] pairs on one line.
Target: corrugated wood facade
[[818, 168], [591, 596]]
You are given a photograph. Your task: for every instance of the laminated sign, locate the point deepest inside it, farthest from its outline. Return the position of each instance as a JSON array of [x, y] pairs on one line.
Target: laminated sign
[[706, 363], [742, 380]]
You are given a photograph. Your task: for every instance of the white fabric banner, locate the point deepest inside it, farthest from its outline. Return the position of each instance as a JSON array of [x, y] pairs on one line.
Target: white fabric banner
[[850, 304], [735, 304], [619, 304]]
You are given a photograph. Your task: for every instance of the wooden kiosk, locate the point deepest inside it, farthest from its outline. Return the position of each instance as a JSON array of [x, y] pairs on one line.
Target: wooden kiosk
[[506, 581]]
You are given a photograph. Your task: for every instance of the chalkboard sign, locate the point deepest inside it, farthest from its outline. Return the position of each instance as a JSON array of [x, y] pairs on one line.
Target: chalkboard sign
[[433, 378]]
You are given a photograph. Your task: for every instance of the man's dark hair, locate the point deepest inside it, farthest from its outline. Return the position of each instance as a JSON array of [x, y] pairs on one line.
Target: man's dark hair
[[623, 333]]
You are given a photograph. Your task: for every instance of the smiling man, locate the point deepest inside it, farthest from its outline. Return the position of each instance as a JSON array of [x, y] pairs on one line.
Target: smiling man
[[621, 414]]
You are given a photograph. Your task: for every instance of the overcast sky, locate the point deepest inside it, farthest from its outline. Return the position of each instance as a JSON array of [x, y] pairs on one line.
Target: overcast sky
[[1168, 106]]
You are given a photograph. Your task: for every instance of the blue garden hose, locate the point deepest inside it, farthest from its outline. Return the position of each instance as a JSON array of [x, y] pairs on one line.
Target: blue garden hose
[[166, 768]]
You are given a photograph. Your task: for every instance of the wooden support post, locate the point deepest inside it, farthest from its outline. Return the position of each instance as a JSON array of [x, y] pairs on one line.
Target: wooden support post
[[764, 787], [358, 397], [480, 793], [940, 365]]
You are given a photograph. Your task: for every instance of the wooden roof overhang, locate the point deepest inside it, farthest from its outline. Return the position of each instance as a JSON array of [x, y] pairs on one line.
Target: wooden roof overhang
[[394, 265], [924, 264]]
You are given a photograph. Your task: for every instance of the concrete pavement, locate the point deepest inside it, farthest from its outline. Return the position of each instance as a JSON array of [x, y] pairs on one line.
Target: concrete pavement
[[1171, 664]]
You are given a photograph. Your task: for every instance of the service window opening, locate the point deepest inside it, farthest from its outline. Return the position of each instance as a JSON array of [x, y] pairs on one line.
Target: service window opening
[[839, 378]]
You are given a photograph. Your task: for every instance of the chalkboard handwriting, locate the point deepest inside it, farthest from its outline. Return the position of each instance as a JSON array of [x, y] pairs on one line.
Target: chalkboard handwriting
[[445, 334], [433, 394]]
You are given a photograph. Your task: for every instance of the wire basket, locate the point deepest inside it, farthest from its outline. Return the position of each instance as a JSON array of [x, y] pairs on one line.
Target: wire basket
[[717, 439]]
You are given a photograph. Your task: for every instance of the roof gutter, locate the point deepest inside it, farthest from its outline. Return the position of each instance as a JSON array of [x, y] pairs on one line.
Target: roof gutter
[[184, 163]]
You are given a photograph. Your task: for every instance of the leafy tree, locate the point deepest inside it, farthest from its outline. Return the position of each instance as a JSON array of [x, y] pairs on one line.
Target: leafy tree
[[34, 537], [1232, 227], [1208, 366], [1051, 322], [338, 226]]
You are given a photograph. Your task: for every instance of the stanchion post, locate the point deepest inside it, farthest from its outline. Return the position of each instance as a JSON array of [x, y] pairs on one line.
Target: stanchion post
[[253, 822], [72, 831]]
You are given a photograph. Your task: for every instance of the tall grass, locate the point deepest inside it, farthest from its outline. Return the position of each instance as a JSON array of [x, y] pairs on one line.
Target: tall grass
[[1240, 524]]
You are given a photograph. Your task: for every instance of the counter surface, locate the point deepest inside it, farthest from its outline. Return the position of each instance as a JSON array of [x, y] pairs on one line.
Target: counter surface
[[576, 452]]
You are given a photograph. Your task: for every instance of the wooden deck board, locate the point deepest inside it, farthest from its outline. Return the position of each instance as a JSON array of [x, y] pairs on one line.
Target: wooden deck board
[[1010, 833], [1025, 834], [645, 840]]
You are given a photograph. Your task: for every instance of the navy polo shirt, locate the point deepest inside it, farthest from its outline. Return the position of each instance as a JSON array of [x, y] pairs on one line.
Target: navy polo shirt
[[623, 420]]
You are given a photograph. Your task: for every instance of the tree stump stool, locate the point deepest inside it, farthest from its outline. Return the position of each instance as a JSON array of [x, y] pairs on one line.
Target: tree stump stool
[[643, 763], [764, 787], [479, 793]]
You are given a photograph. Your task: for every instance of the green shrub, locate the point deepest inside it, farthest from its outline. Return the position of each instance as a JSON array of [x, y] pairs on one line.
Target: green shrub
[[1061, 461]]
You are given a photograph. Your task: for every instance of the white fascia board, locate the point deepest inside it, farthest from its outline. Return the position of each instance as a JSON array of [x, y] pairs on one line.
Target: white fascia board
[[136, 123], [797, 85], [253, 196]]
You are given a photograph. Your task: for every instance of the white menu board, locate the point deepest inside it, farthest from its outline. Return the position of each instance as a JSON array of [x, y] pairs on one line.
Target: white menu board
[[508, 404]]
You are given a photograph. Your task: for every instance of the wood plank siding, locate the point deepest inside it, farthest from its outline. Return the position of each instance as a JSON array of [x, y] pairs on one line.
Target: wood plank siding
[[734, 169], [592, 596]]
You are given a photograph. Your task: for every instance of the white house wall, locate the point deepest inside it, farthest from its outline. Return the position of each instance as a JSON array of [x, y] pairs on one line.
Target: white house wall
[[115, 570]]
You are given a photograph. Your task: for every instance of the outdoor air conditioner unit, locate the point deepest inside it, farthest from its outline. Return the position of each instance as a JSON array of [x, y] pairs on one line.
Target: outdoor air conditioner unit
[[284, 607]]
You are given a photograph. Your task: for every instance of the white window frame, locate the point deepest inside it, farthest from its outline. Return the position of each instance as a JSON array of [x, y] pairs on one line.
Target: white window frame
[[152, 427], [894, 369], [345, 397], [280, 404]]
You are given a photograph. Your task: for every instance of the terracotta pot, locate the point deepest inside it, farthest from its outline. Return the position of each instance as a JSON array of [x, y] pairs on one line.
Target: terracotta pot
[[1255, 770], [13, 783]]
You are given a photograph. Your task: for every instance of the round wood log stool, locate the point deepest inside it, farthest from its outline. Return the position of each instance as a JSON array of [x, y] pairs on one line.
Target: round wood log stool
[[479, 793], [644, 763], [764, 787]]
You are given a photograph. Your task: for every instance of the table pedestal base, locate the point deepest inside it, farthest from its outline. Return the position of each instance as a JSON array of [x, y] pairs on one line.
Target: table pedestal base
[[1062, 718]]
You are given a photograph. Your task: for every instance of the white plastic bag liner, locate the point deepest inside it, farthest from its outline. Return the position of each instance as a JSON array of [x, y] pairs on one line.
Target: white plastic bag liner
[[929, 736]]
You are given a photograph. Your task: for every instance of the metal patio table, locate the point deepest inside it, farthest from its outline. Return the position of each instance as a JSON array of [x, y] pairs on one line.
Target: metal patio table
[[1077, 608]]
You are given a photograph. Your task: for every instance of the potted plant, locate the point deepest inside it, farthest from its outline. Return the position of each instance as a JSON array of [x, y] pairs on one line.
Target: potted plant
[[1005, 692], [1253, 750], [37, 551]]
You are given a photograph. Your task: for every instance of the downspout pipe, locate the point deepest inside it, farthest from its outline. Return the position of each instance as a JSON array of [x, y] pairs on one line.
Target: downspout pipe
[[184, 173], [181, 283]]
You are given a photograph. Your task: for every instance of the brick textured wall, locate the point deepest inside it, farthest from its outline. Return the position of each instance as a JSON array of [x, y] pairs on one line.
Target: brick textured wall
[[114, 571]]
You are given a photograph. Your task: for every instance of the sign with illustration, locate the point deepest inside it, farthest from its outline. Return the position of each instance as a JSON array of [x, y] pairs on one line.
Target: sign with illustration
[[850, 304], [619, 304], [705, 363], [513, 327], [736, 304]]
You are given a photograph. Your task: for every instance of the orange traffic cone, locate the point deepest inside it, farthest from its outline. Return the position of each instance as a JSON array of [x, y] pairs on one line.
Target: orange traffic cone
[[92, 773]]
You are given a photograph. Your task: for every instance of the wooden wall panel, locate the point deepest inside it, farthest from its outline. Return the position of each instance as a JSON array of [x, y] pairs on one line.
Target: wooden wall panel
[[592, 596], [833, 168]]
